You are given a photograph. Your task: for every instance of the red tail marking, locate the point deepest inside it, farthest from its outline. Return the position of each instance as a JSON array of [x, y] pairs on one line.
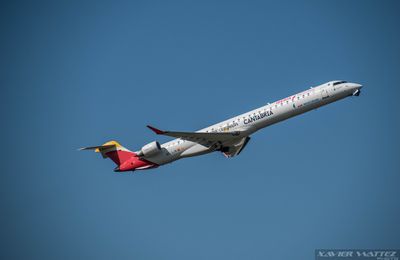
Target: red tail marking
[[119, 157]]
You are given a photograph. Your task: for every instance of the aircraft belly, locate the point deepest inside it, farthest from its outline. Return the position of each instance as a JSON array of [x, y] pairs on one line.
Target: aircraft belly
[[175, 153], [195, 150]]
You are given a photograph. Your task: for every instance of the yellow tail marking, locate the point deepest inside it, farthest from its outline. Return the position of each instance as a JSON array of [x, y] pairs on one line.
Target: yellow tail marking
[[109, 143]]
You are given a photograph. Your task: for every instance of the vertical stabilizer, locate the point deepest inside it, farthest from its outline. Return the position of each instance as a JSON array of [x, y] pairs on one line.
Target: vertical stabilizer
[[113, 150]]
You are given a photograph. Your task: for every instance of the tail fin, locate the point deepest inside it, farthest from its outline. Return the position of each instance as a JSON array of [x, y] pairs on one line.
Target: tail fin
[[112, 150]]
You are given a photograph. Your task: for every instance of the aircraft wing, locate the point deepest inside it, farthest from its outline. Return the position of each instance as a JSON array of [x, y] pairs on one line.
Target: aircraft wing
[[203, 138]]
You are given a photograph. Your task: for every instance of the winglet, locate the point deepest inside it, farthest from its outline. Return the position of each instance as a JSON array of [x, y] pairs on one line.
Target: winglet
[[155, 130]]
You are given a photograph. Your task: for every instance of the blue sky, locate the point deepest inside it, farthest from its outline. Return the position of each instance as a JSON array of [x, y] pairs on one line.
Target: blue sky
[[79, 73]]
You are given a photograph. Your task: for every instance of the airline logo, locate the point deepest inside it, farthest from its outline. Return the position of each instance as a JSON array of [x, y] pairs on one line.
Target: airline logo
[[258, 117]]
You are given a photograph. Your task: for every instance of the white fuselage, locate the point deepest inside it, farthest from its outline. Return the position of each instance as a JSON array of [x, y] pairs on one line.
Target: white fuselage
[[254, 120]]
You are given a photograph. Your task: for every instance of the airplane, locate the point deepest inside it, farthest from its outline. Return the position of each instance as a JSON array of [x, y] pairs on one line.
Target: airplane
[[230, 136]]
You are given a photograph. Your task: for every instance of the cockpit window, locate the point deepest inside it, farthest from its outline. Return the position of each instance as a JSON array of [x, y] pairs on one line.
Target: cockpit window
[[339, 82]]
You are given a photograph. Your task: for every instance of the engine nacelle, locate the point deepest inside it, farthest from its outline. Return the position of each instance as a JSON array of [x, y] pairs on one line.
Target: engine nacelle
[[150, 149]]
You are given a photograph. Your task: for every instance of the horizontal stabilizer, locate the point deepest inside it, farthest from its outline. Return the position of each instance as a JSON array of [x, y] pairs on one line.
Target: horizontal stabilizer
[[97, 148], [103, 147], [112, 150]]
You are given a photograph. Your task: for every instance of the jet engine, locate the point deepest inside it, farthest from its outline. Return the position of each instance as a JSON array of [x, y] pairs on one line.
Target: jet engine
[[150, 149]]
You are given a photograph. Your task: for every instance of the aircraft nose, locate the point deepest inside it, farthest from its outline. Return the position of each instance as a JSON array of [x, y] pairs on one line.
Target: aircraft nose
[[355, 85]]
